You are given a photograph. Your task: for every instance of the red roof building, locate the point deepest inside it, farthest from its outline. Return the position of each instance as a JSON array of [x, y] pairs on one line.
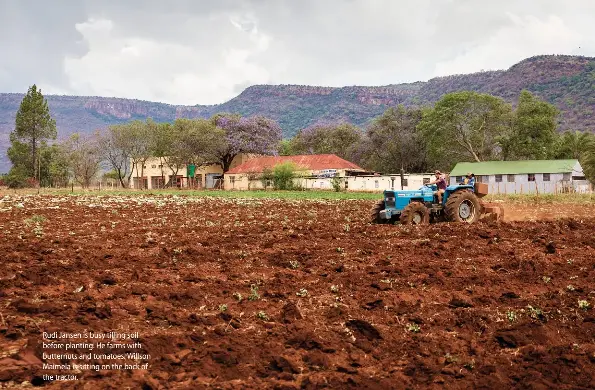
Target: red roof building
[[310, 162]]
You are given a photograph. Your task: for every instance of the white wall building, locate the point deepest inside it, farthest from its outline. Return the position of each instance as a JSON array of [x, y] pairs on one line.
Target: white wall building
[[525, 177], [371, 183]]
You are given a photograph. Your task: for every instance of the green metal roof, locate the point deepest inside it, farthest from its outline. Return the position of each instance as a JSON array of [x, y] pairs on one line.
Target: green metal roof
[[513, 167]]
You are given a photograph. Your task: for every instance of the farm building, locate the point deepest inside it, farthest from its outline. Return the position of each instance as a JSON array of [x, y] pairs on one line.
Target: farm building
[[155, 173], [521, 177], [379, 183], [308, 167], [317, 172]]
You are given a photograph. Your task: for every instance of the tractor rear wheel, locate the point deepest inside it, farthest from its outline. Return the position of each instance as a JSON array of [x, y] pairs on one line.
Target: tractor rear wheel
[[462, 206], [415, 213], [375, 213]]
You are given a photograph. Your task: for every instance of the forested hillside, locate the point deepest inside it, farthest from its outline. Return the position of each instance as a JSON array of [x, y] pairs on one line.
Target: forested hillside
[[566, 81]]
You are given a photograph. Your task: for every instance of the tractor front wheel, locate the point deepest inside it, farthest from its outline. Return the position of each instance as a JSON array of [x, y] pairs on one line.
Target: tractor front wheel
[[462, 206], [415, 213], [375, 213]]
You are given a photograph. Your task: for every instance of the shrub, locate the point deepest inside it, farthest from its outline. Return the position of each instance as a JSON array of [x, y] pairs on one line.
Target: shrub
[[266, 177], [283, 175], [337, 183], [18, 178]]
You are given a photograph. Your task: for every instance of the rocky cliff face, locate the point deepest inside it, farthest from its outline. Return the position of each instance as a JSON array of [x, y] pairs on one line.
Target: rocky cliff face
[[566, 81]]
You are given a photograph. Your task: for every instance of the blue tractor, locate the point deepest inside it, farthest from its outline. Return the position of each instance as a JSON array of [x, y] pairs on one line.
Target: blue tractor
[[460, 203]]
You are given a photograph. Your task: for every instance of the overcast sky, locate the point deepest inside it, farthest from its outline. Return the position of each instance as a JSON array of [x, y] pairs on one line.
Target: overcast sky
[[208, 51]]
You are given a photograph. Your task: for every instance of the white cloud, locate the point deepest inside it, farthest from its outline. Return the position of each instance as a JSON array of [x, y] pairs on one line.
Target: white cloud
[[191, 52], [150, 69], [523, 37]]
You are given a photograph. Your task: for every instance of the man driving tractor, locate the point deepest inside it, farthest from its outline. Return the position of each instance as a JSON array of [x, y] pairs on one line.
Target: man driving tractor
[[440, 183]]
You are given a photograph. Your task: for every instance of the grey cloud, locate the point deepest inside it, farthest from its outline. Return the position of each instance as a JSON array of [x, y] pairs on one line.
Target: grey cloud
[[34, 38], [206, 51]]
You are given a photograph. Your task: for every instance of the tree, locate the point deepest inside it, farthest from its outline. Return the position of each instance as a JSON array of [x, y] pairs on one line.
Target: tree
[[286, 147], [341, 139], [192, 141], [136, 141], [84, 157], [533, 132], [33, 125], [19, 154], [571, 144], [161, 144], [116, 146], [256, 134], [266, 177], [55, 166], [588, 159], [393, 144], [465, 126]]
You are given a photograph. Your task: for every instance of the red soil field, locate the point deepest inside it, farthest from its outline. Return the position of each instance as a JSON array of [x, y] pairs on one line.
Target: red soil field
[[327, 300]]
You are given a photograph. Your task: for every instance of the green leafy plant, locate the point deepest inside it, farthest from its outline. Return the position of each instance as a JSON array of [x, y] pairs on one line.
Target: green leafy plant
[[254, 296], [262, 315], [413, 328]]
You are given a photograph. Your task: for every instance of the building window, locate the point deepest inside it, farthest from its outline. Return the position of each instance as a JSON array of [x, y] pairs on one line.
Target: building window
[[510, 178], [153, 166], [459, 179], [498, 178], [484, 179], [566, 176], [405, 182], [376, 183], [546, 177], [232, 179], [531, 177]]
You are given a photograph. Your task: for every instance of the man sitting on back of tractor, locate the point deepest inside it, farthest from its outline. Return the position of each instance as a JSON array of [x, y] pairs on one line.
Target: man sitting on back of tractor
[[469, 179], [440, 183]]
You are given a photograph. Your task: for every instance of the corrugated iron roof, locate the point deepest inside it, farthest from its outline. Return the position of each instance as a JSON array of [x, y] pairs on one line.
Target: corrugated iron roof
[[514, 167], [314, 162]]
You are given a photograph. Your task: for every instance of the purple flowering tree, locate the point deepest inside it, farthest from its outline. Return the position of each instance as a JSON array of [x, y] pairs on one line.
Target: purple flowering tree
[[255, 134]]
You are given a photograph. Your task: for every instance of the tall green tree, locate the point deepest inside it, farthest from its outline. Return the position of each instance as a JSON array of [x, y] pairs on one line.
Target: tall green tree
[[33, 125], [587, 159], [533, 135], [193, 141], [55, 166], [465, 126], [341, 139], [286, 147], [392, 142], [571, 144]]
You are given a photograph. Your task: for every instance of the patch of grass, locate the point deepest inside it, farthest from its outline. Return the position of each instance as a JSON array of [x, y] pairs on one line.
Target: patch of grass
[[255, 194]]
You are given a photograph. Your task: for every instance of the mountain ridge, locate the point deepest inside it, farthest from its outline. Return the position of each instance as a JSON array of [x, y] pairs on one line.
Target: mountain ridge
[[564, 80]]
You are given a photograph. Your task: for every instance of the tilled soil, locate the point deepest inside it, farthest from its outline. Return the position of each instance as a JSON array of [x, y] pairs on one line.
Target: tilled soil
[[237, 294]]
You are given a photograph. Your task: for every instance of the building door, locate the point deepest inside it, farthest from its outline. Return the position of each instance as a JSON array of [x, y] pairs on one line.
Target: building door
[[213, 180]]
